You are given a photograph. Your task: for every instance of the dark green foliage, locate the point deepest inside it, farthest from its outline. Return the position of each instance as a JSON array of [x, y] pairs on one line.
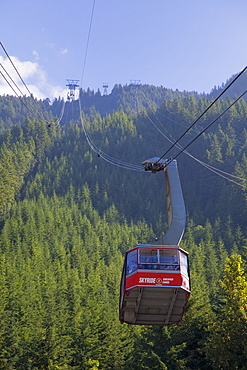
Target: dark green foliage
[[226, 344], [61, 266], [21, 148]]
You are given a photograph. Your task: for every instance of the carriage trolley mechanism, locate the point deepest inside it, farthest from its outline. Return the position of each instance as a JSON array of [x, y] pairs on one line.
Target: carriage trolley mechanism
[[155, 284]]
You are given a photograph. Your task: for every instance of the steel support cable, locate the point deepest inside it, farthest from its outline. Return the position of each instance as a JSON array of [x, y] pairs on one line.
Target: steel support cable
[[88, 39], [38, 111], [29, 107], [170, 119], [177, 145], [208, 166], [57, 123], [124, 166], [219, 172], [89, 141], [15, 68], [62, 113], [117, 161], [112, 159], [16, 93], [6, 72], [11, 79], [108, 158], [216, 169], [105, 156], [35, 112], [207, 127], [203, 113]]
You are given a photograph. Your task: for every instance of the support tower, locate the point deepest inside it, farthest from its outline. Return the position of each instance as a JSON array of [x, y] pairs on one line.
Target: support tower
[[72, 85], [105, 87]]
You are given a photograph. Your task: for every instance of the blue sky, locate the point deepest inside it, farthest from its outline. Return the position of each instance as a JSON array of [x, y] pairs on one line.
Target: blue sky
[[190, 45]]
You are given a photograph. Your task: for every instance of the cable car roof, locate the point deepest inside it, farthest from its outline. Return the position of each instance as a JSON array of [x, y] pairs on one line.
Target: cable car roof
[[156, 246]]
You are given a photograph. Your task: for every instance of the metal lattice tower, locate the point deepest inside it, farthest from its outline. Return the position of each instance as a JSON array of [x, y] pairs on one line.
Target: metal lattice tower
[[135, 82], [105, 87], [72, 85]]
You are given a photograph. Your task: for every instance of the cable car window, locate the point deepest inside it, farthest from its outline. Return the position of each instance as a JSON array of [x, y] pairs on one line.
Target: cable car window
[[148, 258], [169, 260], [131, 261], [184, 263]]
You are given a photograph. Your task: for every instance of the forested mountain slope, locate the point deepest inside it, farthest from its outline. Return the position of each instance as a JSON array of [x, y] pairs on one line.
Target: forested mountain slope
[[67, 217], [134, 138], [131, 98]]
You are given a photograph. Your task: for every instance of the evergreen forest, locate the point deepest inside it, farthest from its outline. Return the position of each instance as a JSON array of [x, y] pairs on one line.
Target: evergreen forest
[[67, 216]]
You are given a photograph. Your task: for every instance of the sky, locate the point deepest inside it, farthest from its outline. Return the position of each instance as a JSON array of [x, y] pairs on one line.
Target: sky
[[189, 45]]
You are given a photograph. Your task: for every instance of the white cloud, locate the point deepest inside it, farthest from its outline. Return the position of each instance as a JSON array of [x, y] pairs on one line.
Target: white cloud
[[34, 76], [64, 51], [35, 53], [52, 45]]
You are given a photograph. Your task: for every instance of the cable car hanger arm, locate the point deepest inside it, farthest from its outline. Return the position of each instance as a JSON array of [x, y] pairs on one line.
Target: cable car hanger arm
[[176, 214]]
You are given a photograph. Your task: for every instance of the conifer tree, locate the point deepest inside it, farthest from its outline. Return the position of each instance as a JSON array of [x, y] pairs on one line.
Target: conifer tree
[[226, 346]]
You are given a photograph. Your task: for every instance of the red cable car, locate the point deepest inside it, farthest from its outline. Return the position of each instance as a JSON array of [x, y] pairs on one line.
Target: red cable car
[[155, 285]]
